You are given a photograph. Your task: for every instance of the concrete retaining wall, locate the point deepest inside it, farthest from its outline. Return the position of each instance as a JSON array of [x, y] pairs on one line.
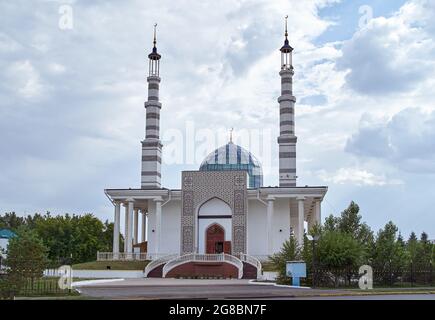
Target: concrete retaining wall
[[100, 274]]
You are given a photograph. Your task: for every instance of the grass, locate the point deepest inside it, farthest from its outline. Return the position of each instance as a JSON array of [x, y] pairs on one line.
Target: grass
[[268, 266], [114, 265]]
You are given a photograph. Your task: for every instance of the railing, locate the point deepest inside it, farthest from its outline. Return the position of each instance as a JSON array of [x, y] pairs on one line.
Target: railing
[[252, 261], [262, 257], [123, 256], [236, 262], [155, 263], [197, 257]]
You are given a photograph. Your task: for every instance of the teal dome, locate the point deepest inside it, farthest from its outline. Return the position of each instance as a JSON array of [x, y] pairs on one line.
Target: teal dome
[[232, 157]]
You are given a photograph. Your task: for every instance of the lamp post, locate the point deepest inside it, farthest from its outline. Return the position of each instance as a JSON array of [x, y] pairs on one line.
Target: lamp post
[[313, 239], [431, 264]]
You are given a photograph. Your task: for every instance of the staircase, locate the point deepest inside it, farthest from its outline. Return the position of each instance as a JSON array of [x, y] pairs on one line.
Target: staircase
[[249, 271], [198, 265], [154, 268], [251, 266]]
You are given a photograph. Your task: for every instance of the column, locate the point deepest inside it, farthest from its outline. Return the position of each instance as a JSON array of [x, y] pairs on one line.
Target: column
[[136, 222], [270, 209], [158, 224], [125, 227], [311, 222], [130, 205], [318, 215], [299, 232], [116, 223], [144, 225]]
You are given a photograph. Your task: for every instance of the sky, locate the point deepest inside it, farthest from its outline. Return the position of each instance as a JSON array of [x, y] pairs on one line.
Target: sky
[[73, 84]]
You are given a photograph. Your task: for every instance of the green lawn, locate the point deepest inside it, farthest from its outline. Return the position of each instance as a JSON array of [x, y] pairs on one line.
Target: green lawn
[[114, 265], [268, 266]]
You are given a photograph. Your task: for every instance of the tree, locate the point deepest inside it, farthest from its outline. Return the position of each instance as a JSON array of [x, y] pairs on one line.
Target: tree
[[338, 250], [26, 259], [412, 248], [11, 221], [350, 223], [424, 251], [289, 252], [388, 255]]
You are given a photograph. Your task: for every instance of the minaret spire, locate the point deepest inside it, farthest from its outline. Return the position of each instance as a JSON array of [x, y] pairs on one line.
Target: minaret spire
[[155, 41], [286, 32], [152, 146], [286, 50], [287, 138]]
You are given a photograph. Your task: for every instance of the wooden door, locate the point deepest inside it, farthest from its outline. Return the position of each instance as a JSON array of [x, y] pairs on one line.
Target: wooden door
[[214, 234]]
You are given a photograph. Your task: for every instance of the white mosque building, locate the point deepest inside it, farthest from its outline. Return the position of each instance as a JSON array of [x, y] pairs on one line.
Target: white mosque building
[[222, 220]]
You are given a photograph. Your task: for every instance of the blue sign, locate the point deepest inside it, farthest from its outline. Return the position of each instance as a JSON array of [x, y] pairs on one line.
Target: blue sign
[[296, 270]]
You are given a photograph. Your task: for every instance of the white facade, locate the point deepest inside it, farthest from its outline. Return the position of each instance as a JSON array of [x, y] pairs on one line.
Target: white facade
[[250, 219], [284, 218]]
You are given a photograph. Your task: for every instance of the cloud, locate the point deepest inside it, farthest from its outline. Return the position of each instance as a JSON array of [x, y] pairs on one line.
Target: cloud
[[407, 140], [24, 79], [71, 101], [358, 177], [391, 55]]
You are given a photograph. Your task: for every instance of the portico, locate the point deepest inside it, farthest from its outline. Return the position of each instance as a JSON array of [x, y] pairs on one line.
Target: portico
[[273, 215]]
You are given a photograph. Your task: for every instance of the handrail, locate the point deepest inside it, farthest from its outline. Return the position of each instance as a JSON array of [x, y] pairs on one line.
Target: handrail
[[252, 261], [110, 256], [124, 256], [236, 262], [191, 257], [153, 264]]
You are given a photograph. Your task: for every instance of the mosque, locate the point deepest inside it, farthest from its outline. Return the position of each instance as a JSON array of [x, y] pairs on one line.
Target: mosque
[[222, 221]]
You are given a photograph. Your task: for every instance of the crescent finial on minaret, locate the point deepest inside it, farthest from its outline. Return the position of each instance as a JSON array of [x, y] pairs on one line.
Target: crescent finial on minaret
[[286, 48], [154, 55], [286, 33]]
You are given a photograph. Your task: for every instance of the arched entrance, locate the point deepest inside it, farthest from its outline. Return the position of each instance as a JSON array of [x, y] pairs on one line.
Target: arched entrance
[[215, 240], [214, 233]]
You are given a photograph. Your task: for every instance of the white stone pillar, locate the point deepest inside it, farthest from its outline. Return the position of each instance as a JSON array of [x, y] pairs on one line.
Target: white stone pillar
[[299, 232], [136, 222], [269, 224], [116, 230], [318, 214], [130, 205], [144, 225], [158, 224], [125, 227]]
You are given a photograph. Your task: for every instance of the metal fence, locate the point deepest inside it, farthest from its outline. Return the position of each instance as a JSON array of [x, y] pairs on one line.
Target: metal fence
[[28, 282], [410, 276]]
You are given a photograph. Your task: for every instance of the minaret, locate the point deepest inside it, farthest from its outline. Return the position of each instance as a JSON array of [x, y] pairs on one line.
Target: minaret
[[287, 139], [152, 146]]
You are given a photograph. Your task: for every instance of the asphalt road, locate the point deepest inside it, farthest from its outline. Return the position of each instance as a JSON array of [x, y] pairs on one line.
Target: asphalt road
[[196, 289], [221, 289], [376, 297]]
